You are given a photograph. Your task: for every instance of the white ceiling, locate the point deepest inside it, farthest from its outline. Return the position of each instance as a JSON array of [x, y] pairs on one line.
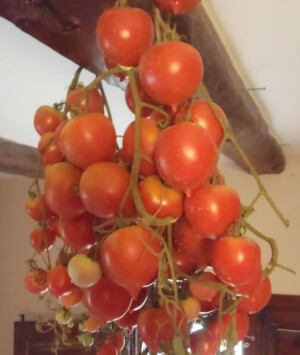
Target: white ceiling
[[262, 37]]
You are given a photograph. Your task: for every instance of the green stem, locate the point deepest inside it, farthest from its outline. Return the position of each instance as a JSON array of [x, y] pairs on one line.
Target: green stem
[[105, 101]]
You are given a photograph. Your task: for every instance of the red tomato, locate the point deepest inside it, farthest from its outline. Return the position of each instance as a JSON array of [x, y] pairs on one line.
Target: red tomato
[[35, 281], [156, 328], [37, 207], [140, 300], [244, 259], [133, 269], [46, 119], [57, 134], [257, 299], [191, 243], [42, 239], [203, 115], [129, 320], [212, 209], [183, 263], [123, 34], [241, 323], [149, 135], [106, 300], [171, 72], [159, 199], [145, 112], [82, 101], [78, 232], [61, 185], [102, 188], [249, 286], [49, 149], [185, 156], [59, 281], [110, 64], [107, 349], [202, 344], [177, 6], [208, 306], [201, 291], [72, 299], [88, 139]]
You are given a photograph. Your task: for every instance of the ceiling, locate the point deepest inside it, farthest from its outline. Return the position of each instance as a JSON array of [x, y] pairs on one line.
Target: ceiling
[[262, 38]]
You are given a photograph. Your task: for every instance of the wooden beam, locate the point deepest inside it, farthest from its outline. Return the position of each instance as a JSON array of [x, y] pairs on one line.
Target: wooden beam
[[69, 28], [18, 159]]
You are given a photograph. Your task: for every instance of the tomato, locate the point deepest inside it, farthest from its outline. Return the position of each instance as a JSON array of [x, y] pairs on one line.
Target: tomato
[[110, 64], [156, 326], [129, 258], [212, 209], [49, 149], [72, 299], [171, 72], [202, 292], [92, 325], [257, 299], [107, 349], [123, 34], [82, 101], [88, 139], [140, 300], [42, 239], [245, 258], [59, 281], [61, 185], [250, 285], [106, 300], [129, 320], [149, 135], [202, 344], [57, 134], [191, 307], [46, 119], [37, 208], [185, 156], [241, 322], [145, 111], [183, 263], [191, 243], [202, 114], [159, 199], [177, 6], [78, 232], [212, 305], [102, 188], [35, 281], [117, 339], [83, 271]]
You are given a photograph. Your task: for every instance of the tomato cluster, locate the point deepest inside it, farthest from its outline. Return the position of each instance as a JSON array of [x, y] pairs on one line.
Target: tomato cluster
[[154, 214]]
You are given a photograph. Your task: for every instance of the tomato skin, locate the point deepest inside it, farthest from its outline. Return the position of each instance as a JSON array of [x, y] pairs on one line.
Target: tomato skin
[[212, 209], [46, 119], [123, 34], [107, 349], [106, 300], [257, 299], [245, 258], [117, 339], [35, 281], [78, 99], [88, 139], [185, 156], [149, 135], [183, 263], [161, 200], [102, 188], [248, 287], [191, 307], [78, 232], [59, 281], [177, 6], [129, 320], [36, 208], [42, 239], [61, 182], [133, 269], [140, 300], [171, 72], [202, 292], [72, 299], [49, 149], [202, 344], [92, 325]]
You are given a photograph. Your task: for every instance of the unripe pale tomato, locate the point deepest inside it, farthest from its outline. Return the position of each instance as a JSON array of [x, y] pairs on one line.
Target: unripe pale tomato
[[83, 271], [88, 139], [202, 292], [42, 239], [191, 307], [35, 281], [81, 101], [185, 156], [63, 316], [49, 149], [71, 299], [59, 281], [123, 34], [46, 119], [171, 72], [177, 6]]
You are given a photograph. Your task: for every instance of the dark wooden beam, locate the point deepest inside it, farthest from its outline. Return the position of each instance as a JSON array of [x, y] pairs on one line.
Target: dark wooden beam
[[69, 28], [18, 159]]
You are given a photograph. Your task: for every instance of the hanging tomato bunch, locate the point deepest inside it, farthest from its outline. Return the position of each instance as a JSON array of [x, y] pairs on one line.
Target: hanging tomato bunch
[[152, 236]]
